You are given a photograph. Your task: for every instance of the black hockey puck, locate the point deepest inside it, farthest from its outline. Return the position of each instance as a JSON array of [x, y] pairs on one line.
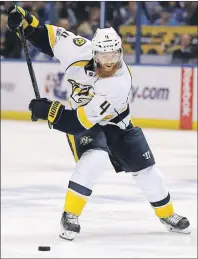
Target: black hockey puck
[[44, 248]]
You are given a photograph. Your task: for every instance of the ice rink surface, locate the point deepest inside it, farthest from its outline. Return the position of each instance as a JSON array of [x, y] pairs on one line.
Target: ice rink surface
[[118, 222]]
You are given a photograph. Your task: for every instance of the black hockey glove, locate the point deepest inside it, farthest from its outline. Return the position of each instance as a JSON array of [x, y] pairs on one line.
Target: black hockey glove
[[45, 109], [17, 16]]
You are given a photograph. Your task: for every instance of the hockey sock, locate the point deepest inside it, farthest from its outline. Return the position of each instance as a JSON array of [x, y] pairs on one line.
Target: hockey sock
[[151, 182], [76, 198]]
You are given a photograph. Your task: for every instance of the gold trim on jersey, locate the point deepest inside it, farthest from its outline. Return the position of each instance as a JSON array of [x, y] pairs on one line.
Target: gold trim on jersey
[[124, 108], [82, 117], [51, 35], [110, 116], [73, 146], [129, 71], [80, 64]]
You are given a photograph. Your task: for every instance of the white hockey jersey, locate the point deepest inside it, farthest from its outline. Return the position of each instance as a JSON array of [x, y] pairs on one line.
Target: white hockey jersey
[[97, 100]]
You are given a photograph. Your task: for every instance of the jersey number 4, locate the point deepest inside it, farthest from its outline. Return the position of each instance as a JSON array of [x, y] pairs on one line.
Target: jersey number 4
[[104, 106]]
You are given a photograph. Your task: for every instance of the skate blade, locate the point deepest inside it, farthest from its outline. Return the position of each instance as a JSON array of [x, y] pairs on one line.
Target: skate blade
[[176, 230], [68, 235]]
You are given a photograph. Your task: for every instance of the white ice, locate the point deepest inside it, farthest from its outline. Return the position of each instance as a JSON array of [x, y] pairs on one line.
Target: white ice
[[117, 222]]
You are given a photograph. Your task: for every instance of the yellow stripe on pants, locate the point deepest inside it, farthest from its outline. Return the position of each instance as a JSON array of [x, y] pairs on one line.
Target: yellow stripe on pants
[[73, 146]]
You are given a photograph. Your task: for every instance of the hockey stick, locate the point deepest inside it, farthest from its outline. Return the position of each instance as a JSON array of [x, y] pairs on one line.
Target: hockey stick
[[30, 68], [28, 60], [29, 63]]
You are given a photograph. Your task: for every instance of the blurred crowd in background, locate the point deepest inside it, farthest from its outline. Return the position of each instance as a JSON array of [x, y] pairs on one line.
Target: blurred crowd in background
[[83, 18]]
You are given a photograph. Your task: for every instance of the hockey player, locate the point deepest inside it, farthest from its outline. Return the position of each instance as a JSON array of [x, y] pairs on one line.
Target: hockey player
[[96, 118]]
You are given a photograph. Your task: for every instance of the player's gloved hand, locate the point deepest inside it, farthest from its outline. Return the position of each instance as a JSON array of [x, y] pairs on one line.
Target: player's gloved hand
[[45, 109], [17, 16]]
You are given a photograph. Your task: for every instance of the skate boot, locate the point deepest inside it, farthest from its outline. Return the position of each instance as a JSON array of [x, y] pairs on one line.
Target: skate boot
[[176, 223], [69, 226]]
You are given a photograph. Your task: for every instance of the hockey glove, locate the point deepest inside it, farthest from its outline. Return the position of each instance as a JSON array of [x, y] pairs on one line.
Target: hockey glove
[[17, 16], [45, 109]]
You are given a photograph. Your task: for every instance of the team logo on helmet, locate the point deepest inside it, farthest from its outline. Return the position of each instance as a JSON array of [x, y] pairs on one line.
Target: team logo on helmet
[[79, 41]]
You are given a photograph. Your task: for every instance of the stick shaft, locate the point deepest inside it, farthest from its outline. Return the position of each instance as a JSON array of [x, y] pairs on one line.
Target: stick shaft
[[29, 63]]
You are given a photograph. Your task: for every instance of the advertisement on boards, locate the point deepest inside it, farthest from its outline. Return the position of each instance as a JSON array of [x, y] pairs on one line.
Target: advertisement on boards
[[186, 102], [155, 92], [161, 96], [16, 86]]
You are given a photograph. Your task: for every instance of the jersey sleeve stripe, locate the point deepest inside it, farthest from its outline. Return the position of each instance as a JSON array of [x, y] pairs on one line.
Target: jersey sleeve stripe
[[80, 64], [130, 71], [82, 117], [51, 35]]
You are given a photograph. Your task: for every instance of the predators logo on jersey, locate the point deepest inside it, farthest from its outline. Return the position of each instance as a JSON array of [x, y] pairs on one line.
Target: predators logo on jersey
[[84, 140], [81, 94], [79, 41]]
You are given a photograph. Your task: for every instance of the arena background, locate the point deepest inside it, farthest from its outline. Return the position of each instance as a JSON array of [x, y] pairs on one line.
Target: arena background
[[160, 45]]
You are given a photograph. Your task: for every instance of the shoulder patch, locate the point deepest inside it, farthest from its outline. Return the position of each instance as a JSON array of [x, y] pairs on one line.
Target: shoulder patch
[[79, 41]]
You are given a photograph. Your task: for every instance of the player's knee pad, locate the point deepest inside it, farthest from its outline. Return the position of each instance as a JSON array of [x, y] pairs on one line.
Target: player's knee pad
[[149, 170], [151, 182], [90, 167]]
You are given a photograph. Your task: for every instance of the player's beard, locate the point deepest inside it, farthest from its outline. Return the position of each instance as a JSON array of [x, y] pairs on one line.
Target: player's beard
[[103, 71]]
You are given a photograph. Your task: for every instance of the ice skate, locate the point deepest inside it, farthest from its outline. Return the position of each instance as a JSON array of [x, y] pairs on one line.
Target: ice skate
[[176, 223], [69, 226]]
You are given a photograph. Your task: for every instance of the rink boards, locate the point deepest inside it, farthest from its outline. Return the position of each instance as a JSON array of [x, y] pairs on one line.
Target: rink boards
[[161, 97]]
